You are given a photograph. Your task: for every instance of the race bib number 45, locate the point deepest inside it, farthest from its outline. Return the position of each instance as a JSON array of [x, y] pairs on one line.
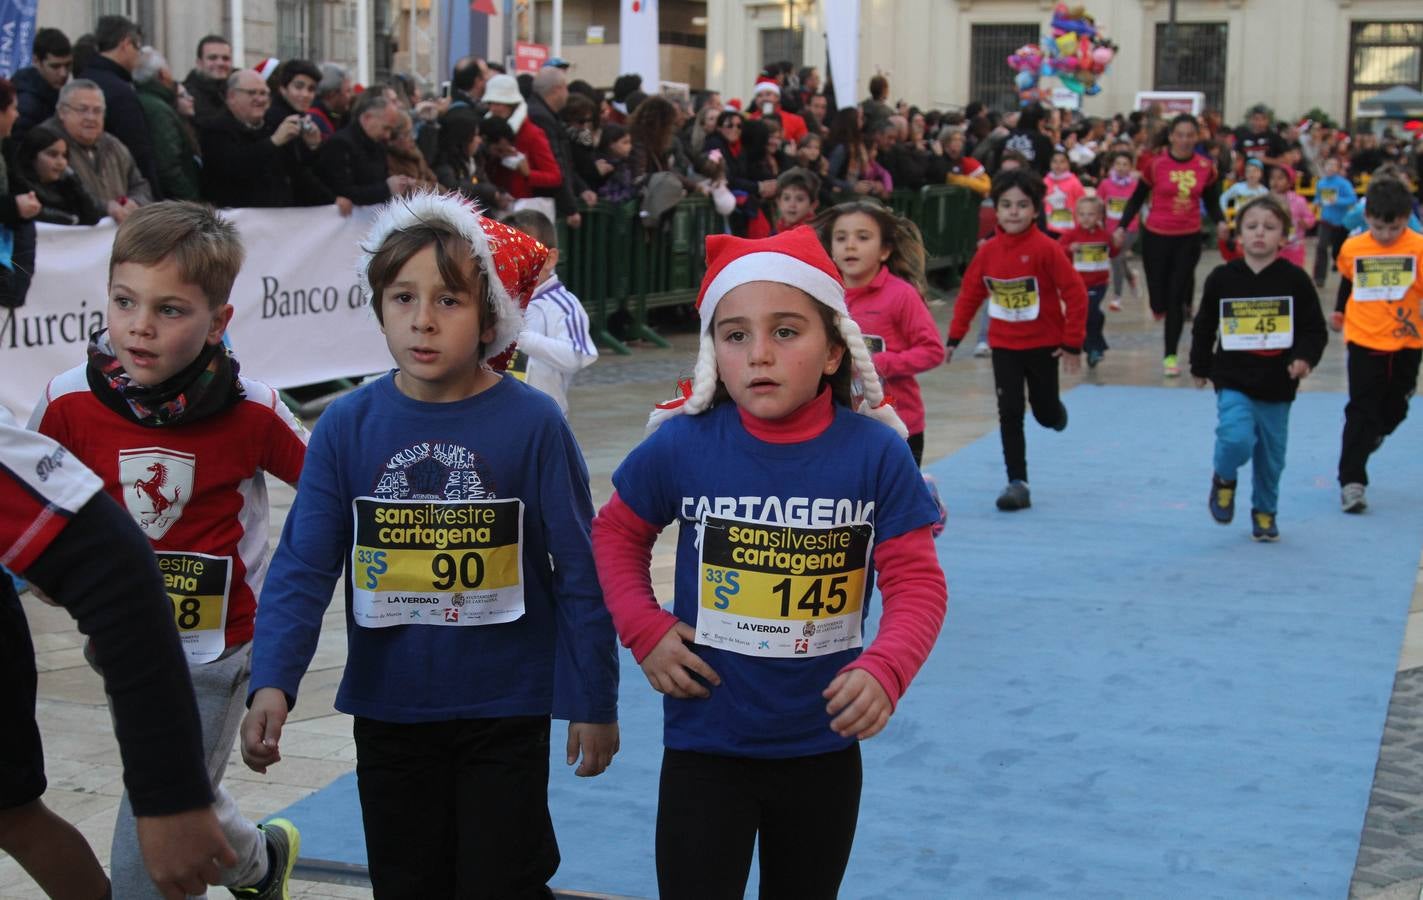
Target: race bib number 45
[[199, 586], [782, 591], [1383, 277], [1257, 323], [1013, 299], [431, 562]]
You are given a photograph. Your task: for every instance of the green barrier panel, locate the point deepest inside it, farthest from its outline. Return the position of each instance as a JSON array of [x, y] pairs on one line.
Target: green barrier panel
[[584, 265], [669, 261]]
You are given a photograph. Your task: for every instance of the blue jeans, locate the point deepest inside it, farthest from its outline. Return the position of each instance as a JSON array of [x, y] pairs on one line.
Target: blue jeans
[[1248, 429]]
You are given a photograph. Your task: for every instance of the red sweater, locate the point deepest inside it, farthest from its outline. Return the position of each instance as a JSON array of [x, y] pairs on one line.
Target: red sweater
[[1088, 267], [910, 580], [1039, 299], [544, 173]]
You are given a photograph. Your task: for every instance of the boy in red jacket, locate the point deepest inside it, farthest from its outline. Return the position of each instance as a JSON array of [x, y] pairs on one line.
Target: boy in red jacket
[[1037, 314], [1089, 245]]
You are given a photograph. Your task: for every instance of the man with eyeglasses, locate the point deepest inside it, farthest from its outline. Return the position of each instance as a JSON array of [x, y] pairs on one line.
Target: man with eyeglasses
[[37, 86], [104, 166], [120, 43]]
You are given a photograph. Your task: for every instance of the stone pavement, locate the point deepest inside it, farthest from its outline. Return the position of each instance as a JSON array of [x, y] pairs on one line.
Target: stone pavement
[[609, 406]]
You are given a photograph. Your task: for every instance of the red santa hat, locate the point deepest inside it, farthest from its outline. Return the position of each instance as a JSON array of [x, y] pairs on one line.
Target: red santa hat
[[795, 258], [766, 83], [266, 67], [509, 259]]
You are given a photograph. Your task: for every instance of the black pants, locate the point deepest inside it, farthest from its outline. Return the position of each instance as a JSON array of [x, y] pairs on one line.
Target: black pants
[[1330, 239], [1380, 385], [1170, 263], [22, 778], [457, 809], [1096, 321], [1012, 369], [916, 447], [710, 810]]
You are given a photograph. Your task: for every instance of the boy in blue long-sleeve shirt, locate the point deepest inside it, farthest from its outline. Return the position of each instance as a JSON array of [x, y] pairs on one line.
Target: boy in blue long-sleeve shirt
[[1335, 195], [456, 501]]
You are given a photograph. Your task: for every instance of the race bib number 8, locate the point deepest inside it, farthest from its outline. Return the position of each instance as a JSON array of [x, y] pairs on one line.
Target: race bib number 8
[[1257, 323], [1012, 300], [198, 585], [782, 591], [1383, 277], [1091, 258], [430, 562]]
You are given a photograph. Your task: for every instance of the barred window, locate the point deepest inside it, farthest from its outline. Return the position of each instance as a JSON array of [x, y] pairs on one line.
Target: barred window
[[990, 79], [1199, 63]]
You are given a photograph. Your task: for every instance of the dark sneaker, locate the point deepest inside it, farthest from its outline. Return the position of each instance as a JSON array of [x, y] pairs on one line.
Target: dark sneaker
[[1351, 498], [1222, 500], [1262, 526], [1015, 497], [1093, 357], [1062, 422], [283, 845]]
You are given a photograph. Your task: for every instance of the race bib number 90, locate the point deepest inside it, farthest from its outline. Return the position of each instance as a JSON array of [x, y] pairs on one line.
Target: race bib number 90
[[1012, 300], [432, 562], [199, 586], [1383, 277], [1257, 323], [782, 591]]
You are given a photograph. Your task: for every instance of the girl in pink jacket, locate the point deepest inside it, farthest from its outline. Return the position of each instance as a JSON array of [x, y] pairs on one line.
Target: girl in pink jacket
[[1282, 183]]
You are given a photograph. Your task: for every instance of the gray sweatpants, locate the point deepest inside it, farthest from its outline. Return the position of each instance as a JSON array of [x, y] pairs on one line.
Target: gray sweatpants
[[221, 690]]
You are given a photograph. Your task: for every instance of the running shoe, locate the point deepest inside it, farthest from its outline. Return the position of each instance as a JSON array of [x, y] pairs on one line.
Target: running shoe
[[1093, 357], [933, 487], [1262, 526], [1222, 502], [981, 350], [1062, 418], [1115, 305], [1171, 367], [283, 847], [1351, 498], [1015, 497]]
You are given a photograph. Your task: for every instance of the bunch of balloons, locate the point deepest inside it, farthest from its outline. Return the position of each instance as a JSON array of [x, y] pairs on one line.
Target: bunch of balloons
[[1077, 53]]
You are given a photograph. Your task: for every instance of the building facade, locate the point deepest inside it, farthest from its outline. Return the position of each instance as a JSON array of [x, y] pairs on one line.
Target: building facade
[[1293, 55]]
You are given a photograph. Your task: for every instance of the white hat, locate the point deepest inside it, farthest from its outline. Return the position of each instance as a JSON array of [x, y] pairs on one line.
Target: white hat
[[503, 89]]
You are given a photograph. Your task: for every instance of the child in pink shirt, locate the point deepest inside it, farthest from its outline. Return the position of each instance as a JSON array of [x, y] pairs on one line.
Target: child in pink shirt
[[1063, 192], [1282, 182]]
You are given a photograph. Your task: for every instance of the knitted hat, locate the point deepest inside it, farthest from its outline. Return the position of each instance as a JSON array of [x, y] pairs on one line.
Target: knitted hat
[[509, 259], [794, 258], [765, 83]]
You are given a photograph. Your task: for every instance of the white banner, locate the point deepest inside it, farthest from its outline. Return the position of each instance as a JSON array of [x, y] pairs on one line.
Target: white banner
[[842, 27], [637, 43], [299, 315]]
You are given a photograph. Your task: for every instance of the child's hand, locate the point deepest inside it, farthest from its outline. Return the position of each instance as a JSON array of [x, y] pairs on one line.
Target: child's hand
[[262, 729], [1336, 321], [1071, 362], [859, 704], [1119, 238], [598, 743], [666, 667], [1222, 231], [1299, 370], [1200, 382]]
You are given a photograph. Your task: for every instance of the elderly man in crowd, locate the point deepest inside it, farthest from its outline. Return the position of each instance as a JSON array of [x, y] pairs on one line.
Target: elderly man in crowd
[[174, 144], [333, 100], [37, 86], [102, 163], [353, 162], [120, 44], [207, 82], [248, 163]]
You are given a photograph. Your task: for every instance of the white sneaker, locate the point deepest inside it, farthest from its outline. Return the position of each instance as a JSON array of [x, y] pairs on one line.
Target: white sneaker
[[981, 350], [1351, 498]]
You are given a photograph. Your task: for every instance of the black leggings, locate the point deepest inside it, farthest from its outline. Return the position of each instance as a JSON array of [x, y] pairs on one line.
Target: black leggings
[[712, 808], [1170, 264], [1037, 368], [916, 447], [1381, 383]]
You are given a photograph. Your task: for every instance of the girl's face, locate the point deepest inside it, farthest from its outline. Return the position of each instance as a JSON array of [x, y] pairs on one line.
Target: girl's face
[[1252, 175], [955, 145], [1121, 167], [772, 348], [1279, 181], [1183, 140], [810, 153], [1016, 212], [1060, 164], [1262, 234], [1089, 215], [622, 147], [434, 332], [52, 162], [773, 143], [731, 130], [858, 248]]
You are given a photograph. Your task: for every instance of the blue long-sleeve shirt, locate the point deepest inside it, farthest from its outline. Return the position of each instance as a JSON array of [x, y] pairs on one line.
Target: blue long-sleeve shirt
[[508, 442]]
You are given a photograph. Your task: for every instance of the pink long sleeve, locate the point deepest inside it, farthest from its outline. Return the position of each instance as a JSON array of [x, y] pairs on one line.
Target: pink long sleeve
[[622, 550], [915, 597]]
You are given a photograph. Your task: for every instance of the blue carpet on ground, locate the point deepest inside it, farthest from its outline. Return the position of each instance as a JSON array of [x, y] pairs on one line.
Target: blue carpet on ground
[[1128, 700]]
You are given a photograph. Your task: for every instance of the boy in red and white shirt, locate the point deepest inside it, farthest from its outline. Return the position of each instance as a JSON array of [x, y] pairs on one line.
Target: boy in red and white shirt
[[183, 442]]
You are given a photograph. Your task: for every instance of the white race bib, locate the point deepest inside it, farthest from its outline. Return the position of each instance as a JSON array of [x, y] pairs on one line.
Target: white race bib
[[437, 562], [1012, 300], [1257, 323], [1091, 258], [782, 591], [1060, 219], [1383, 277], [199, 586]]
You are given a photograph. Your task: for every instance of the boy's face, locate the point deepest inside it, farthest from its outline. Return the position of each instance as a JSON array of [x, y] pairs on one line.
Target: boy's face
[[158, 322], [1385, 231], [1016, 212], [794, 205], [434, 332], [1252, 175], [1262, 234], [1331, 166], [1089, 215]]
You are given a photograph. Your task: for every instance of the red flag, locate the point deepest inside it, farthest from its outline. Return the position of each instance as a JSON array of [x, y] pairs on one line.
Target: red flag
[[484, 6]]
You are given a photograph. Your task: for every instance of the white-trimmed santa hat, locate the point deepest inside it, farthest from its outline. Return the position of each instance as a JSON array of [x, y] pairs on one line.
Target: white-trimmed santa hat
[[510, 259], [766, 83], [795, 258], [266, 67]]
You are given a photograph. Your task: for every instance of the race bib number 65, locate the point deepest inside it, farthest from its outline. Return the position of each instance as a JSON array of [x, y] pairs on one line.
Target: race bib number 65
[[782, 591], [430, 562]]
